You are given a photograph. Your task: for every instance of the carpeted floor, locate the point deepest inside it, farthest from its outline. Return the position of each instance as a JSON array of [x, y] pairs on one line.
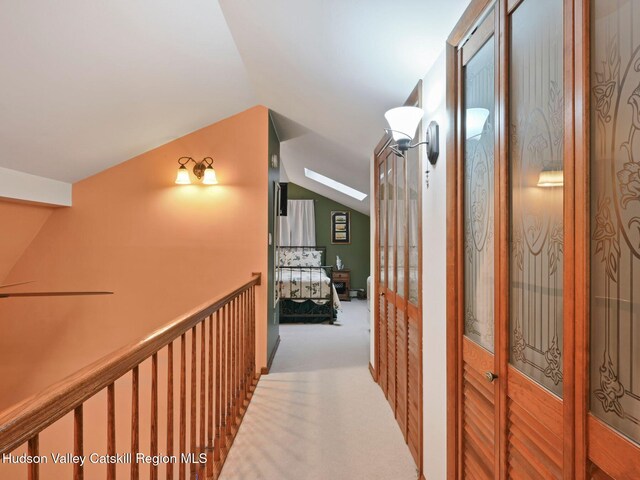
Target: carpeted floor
[[318, 415]]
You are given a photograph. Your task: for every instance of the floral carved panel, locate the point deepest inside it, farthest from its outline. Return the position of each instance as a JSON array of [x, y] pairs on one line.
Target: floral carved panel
[[479, 183], [615, 214], [537, 230]]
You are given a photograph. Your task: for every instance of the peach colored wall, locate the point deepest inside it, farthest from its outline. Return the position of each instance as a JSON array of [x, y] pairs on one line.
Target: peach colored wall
[[19, 224], [162, 248]]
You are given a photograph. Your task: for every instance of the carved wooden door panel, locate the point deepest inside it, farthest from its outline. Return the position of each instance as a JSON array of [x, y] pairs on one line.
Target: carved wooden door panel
[[613, 424], [534, 403], [478, 400]]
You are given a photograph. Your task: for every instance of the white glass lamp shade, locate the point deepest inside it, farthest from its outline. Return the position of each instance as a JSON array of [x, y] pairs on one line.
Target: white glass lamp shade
[[551, 178], [182, 178], [403, 122], [209, 176], [474, 121]]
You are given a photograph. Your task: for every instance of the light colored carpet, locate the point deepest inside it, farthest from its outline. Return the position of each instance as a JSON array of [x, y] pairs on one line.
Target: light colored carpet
[[318, 415]]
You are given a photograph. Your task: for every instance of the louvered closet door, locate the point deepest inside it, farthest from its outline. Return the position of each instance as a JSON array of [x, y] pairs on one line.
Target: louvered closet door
[[390, 292], [479, 391], [382, 364], [613, 425], [534, 403], [398, 280]]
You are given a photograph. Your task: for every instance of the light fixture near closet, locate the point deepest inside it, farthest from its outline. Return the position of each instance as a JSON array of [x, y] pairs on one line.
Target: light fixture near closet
[[403, 123]]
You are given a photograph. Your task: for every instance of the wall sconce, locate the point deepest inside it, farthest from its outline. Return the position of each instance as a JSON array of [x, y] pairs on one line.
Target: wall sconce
[[203, 170], [403, 123], [551, 178]]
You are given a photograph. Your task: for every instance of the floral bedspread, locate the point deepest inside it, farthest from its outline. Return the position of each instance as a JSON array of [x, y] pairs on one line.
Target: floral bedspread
[[304, 284]]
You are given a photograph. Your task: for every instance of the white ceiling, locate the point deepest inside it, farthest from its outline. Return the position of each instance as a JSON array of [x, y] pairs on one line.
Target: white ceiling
[[88, 84], [335, 67]]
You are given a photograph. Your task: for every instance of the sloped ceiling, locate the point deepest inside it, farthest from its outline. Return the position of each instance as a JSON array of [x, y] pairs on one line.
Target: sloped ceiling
[[88, 84], [335, 67]]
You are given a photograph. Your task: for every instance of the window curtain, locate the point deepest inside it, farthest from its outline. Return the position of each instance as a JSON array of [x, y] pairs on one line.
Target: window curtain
[[298, 228]]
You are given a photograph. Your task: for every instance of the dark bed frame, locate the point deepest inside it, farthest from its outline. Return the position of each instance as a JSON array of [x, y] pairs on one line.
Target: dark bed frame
[[308, 311]]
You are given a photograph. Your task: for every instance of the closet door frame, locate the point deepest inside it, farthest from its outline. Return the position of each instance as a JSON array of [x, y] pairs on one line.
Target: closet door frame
[[382, 292], [571, 278]]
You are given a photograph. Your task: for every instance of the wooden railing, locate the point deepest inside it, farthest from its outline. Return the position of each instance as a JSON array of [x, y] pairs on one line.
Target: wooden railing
[[222, 336]]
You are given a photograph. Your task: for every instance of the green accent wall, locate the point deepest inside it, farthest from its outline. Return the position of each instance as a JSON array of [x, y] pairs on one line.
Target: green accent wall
[[273, 325], [354, 256]]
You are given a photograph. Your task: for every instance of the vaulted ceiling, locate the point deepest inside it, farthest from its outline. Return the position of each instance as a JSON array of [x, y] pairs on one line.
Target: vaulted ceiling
[[86, 84]]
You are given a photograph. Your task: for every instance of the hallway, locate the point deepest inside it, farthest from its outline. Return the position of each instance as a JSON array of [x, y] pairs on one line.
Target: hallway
[[318, 415]]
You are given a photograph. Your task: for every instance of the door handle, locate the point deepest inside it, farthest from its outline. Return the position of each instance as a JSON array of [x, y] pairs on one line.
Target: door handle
[[490, 376], [382, 294]]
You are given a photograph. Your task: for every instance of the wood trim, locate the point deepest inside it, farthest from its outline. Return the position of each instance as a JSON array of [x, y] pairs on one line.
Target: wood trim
[[481, 35], [267, 369], [467, 20], [22, 422], [459, 205], [375, 288], [582, 233], [568, 295], [452, 258], [612, 452], [373, 373], [502, 319], [470, 349], [512, 5], [543, 405]]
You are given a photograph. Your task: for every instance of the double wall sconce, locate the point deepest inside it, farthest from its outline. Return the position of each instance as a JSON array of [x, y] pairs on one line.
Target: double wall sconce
[[403, 123], [203, 170]]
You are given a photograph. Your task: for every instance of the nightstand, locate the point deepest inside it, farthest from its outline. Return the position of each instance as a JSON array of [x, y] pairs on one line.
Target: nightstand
[[342, 282]]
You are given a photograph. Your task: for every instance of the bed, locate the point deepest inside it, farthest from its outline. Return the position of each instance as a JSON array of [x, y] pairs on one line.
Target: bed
[[305, 286]]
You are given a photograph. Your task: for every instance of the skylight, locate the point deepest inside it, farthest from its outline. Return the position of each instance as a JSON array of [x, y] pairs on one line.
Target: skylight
[[330, 182]]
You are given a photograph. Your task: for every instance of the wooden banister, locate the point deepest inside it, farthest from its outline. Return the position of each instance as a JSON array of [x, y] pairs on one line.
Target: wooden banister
[[24, 422]]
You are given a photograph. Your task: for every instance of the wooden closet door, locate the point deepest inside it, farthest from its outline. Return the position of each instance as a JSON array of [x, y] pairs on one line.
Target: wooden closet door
[[613, 424], [390, 292], [478, 146], [399, 285], [382, 365], [538, 358]]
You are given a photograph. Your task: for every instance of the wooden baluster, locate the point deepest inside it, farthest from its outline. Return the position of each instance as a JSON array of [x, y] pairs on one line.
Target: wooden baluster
[[210, 403], [33, 450], [218, 388], [236, 369], [228, 370], [183, 406], [223, 378], [111, 430], [135, 422], [153, 443], [247, 347], [238, 356], [192, 417], [253, 330], [203, 392], [243, 346], [78, 442], [169, 410], [251, 362], [239, 385]]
